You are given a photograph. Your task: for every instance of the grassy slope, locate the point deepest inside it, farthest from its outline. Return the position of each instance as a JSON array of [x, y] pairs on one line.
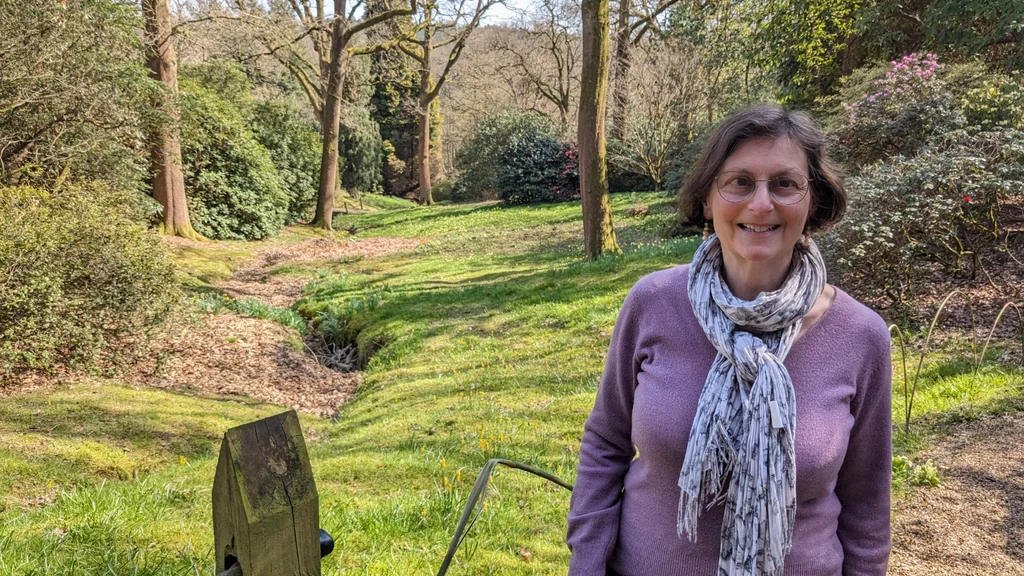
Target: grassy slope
[[496, 333]]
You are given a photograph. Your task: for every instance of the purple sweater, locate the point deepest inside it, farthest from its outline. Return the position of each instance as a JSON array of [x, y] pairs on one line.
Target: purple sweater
[[623, 510]]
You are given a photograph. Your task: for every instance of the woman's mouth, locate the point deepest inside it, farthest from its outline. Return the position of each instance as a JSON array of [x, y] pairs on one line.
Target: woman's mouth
[[752, 228]]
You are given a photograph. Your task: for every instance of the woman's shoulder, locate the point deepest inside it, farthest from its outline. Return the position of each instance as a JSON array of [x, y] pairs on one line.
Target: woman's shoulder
[[670, 282], [854, 319]]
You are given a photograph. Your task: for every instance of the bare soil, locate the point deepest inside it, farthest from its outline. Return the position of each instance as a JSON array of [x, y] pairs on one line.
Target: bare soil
[[973, 522], [256, 279], [229, 354]]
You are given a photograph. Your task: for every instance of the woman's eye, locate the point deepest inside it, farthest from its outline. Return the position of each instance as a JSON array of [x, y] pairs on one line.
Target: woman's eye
[[785, 183], [740, 181]]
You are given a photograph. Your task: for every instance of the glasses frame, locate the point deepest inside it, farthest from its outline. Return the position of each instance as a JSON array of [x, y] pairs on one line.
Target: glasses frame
[[768, 181]]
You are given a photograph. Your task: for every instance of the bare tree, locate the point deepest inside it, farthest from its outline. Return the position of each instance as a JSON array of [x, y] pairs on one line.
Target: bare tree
[[548, 61], [164, 143], [437, 26], [598, 233], [635, 19], [668, 97]]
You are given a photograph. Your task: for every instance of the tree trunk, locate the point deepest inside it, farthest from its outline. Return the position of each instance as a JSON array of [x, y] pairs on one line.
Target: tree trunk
[[598, 234], [623, 60], [164, 145], [423, 143], [331, 119]]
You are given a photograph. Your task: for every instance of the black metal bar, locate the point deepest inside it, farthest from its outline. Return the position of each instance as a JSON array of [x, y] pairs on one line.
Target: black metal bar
[[326, 547]]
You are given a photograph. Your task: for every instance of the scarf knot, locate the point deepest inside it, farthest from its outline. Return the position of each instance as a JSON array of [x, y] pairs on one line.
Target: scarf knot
[[741, 447], [748, 355]]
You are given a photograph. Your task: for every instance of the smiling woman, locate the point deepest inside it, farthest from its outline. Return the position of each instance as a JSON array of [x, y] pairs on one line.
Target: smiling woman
[[728, 436]]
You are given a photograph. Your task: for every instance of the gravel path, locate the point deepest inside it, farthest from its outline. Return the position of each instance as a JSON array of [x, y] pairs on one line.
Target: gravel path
[[973, 522]]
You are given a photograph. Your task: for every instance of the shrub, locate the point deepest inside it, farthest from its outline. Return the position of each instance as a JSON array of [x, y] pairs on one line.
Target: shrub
[[441, 191], [901, 112], [83, 281], [294, 144], [538, 168], [998, 102], [480, 158], [938, 207], [234, 190]]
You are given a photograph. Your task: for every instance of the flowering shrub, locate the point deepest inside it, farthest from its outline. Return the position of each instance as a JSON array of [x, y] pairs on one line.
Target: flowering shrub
[[933, 210], [901, 112]]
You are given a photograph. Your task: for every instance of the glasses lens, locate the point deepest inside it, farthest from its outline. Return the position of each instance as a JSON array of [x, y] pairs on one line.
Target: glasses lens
[[788, 189], [735, 186], [738, 187]]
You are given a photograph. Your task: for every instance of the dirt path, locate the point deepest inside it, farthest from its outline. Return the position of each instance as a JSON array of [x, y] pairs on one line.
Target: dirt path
[[973, 523], [257, 279], [229, 354]]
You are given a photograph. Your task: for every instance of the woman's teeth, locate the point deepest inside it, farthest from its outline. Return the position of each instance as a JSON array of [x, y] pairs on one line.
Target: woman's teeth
[[758, 228]]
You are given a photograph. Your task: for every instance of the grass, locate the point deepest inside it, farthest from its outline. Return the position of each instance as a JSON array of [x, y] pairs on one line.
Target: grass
[[487, 341]]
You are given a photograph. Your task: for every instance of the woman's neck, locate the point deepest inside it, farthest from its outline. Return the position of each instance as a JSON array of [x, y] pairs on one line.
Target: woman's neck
[[747, 280]]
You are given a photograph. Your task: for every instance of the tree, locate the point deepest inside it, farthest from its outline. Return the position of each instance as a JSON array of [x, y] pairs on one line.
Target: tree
[[630, 29], [663, 112], [598, 234], [283, 30], [164, 143], [437, 26], [548, 60], [395, 80], [74, 95]]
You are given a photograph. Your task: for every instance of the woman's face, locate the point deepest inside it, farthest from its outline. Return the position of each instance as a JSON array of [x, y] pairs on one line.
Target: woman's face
[[758, 234]]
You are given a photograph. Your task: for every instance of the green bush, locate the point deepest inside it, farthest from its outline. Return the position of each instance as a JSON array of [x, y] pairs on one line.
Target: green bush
[[83, 281], [937, 208], [998, 102], [538, 168], [234, 190], [295, 146], [479, 159]]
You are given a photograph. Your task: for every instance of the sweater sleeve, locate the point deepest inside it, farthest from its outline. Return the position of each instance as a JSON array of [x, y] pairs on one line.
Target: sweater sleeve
[[865, 477], [605, 452]]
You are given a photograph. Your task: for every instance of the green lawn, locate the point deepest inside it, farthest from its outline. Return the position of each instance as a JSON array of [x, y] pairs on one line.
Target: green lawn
[[487, 341]]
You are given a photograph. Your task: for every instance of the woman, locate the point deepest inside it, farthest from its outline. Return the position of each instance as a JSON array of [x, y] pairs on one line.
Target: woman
[[743, 422]]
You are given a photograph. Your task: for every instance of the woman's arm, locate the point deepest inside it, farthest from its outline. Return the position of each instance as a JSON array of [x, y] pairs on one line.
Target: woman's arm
[[606, 452], [865, 478]]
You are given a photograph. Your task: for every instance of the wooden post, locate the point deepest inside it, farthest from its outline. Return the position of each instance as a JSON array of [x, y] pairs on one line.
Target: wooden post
[[265, 504]]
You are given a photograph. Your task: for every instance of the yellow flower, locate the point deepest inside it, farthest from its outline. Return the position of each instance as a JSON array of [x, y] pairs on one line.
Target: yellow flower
[[182, 461], [444, 464]]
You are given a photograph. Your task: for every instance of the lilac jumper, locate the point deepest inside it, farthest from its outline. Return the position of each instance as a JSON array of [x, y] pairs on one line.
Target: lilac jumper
[[623, 509]]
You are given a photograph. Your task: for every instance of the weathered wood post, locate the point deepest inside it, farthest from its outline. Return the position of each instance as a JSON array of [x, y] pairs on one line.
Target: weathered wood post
[[265, 505]]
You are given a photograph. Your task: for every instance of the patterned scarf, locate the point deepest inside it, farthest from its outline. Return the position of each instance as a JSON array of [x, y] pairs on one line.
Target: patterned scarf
[[746, 415]]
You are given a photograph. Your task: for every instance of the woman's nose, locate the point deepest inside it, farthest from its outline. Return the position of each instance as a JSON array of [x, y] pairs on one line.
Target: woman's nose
[[761, 201]]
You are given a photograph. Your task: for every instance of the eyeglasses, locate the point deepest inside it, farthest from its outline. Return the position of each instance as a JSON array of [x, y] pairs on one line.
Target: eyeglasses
[[740, 186]]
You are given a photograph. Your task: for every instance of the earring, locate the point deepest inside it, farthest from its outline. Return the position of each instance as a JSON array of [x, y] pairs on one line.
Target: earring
[[707, 229], [807, 239]]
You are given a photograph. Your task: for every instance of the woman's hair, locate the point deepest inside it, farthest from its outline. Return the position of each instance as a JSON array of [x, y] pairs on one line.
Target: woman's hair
[[828, 197]]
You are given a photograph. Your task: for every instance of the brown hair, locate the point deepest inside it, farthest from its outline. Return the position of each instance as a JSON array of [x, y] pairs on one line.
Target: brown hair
[[828, 197]]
